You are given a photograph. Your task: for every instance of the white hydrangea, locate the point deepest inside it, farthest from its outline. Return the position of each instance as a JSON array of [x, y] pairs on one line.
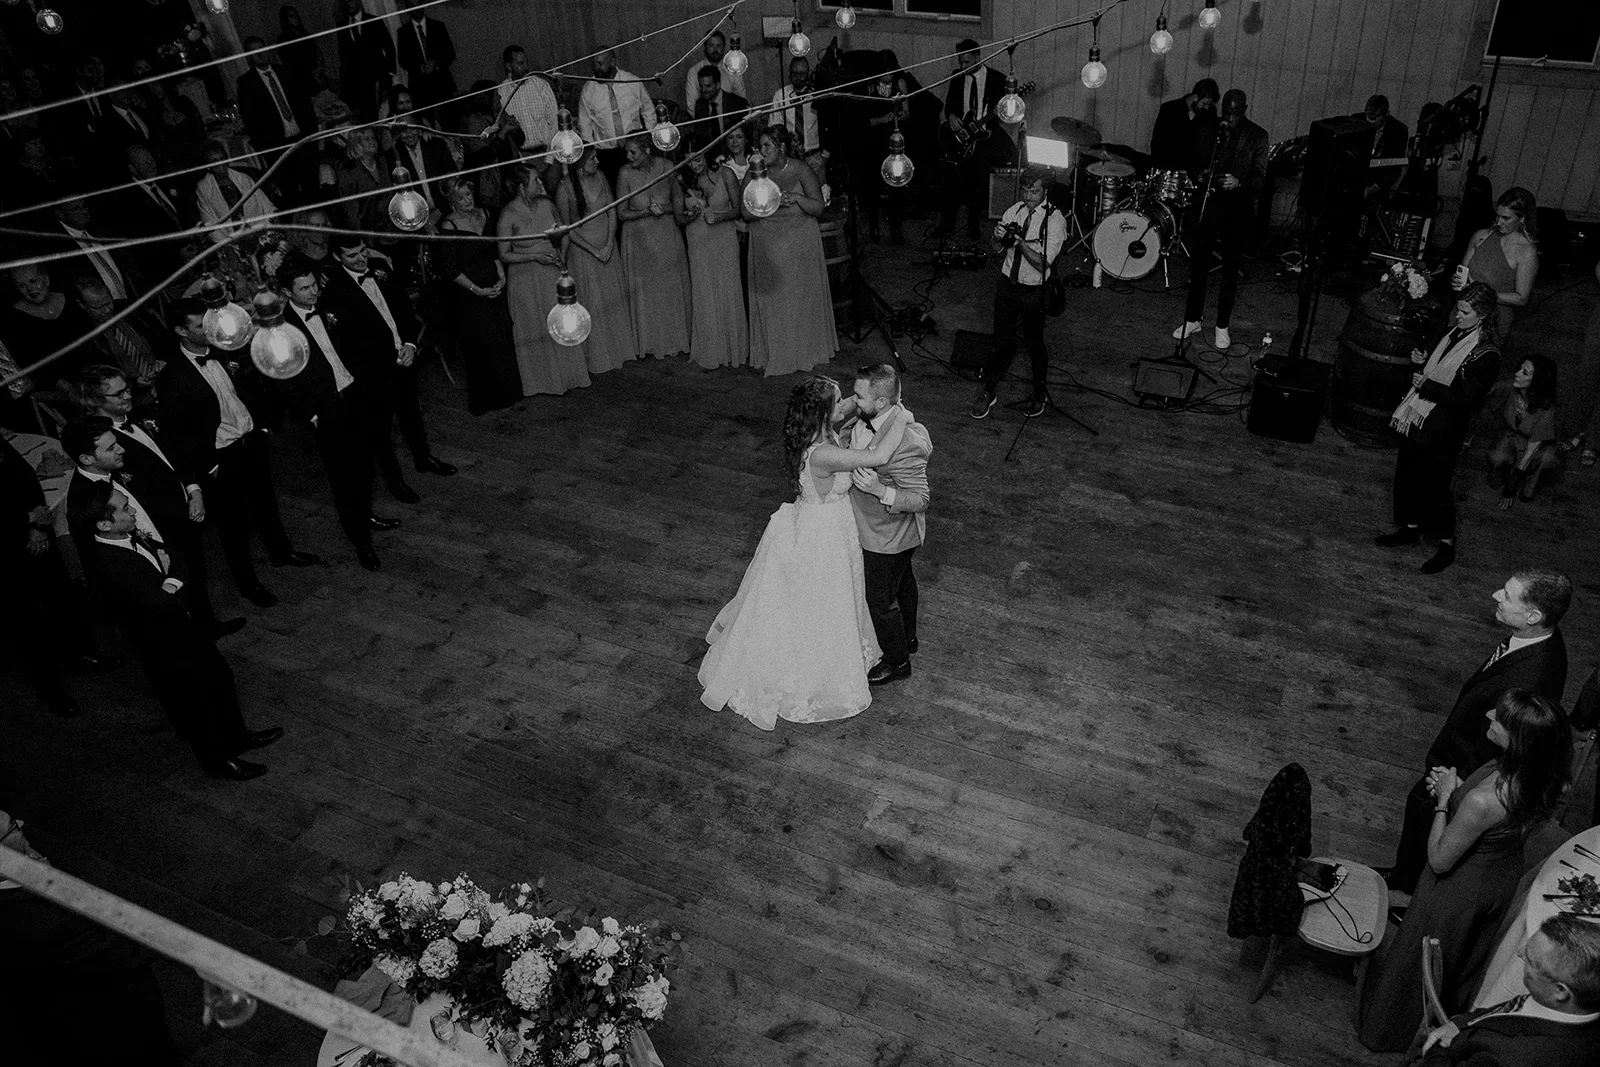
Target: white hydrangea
[[508, 929], [610, 926], [494, 912], [651, 997], [439, 958], [466, 929], [527, 979], [399, 969]]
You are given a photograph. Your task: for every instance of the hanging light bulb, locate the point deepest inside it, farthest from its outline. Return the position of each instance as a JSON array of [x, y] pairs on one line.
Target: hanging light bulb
[[1010, 108], [1210, 17], [225, 1007], [408, 210], [227, 325], [799, 43], [665, 135], [278, 350], [762, 193], [50, 21], [1094, 71], [569, 321], [217, 7], [734, 61], [897, 169], [566, 144], [845, 17], [1161, 40]]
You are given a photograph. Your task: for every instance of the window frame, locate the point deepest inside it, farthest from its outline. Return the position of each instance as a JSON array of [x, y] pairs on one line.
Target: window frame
[[901, 20]]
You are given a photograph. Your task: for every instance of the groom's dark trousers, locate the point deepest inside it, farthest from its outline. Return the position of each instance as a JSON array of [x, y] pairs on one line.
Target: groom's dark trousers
[[892, 602]]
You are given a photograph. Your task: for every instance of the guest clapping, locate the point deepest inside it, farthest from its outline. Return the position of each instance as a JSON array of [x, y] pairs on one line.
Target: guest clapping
[[710, 208], [1505, 257], [1526, 450], [533, 267], [653, 252], [595, 261], [791, 309]]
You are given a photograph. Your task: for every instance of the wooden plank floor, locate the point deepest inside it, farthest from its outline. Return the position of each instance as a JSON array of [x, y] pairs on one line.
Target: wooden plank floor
[[1021, 856]]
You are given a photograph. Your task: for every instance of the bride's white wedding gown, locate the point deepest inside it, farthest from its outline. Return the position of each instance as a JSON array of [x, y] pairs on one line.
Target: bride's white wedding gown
[[796, 642]]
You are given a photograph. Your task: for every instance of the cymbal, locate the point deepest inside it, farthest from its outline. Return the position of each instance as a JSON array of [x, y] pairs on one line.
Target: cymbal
[[1074, 131], [1101, 154], [1112, 168]]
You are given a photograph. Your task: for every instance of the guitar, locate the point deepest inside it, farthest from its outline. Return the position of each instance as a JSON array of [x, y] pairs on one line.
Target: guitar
[[957, 145]]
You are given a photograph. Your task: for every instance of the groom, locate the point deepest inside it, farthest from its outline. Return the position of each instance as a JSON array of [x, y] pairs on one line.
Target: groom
[[890, 504]]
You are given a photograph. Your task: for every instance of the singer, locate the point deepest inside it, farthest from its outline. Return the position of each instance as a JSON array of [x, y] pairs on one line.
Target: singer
[[1031, 232]]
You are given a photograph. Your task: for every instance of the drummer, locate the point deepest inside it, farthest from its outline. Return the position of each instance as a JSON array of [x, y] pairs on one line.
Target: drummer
[[1179, 125]]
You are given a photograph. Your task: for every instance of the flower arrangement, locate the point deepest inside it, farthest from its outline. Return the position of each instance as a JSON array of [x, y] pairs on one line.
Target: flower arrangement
[[1408, 281], [542, 989]]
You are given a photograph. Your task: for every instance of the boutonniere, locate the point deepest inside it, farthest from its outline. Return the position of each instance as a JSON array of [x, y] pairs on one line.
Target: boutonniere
[[330, 318], [149, 425]]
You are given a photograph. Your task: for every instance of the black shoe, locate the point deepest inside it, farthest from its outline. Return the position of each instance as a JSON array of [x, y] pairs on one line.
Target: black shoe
[[1440, 559], [1397, 914], [897, 237], [259, 595], [383, 524], [1035, 406], [1401, 538], [296, 559], [239, 770], [261, 738], [61, 704], [94, 663], [883, 674], [223, 627], [367, 558], [435, 465], [404, 493], [911, 645], [982, 404]]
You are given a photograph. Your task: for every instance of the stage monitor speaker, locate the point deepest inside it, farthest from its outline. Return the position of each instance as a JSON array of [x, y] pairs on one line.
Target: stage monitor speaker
[[1002, 190], [1287, 398], [1163, 379], [1336, 165], [972, 350]]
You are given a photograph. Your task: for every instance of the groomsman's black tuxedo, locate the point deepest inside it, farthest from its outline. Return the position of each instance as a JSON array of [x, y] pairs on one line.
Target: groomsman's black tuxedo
[[1463, 742]]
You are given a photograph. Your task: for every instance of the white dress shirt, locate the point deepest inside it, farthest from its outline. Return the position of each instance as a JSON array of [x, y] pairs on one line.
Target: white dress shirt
[[104, 265], [280, 100], [375, 294], [731, 83], [1049, 242], [532, 103], [132, 119], [807, 119], [236, 420], [135, 431], [595, 120], [418, 168], [861, 436], [214, 207], [141, 518], [318, 329]]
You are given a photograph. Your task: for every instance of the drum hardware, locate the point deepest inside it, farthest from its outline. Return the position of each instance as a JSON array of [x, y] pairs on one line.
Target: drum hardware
[[1129, 244]]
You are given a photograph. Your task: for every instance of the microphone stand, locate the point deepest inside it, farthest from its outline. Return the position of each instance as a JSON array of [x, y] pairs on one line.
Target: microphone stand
[[1178, 357]]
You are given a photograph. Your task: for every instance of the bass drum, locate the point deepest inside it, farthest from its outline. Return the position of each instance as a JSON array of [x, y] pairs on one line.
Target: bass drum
[[1127, 244]]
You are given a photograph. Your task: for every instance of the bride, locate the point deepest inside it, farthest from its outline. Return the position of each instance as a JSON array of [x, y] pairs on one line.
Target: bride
[[796, 642]]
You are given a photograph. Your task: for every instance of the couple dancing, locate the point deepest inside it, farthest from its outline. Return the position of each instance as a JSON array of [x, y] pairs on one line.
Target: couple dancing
[[828, 606]]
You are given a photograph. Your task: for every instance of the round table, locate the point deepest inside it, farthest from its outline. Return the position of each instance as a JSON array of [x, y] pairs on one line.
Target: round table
[[1503, 979]]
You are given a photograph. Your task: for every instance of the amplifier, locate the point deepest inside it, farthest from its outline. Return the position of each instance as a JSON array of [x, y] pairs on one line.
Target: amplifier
[[972, 350], [1003, 190], [1287, 398], [1163, 379]]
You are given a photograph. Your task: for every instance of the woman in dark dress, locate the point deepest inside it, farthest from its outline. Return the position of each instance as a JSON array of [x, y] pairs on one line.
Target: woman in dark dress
[[1474, 863], [476, 282], [1446, 392]]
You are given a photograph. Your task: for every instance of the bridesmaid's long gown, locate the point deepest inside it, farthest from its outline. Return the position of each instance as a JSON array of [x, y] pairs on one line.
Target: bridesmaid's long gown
[[721, 337], [657, 266], [791, 309], [603, 289], [545, 366]]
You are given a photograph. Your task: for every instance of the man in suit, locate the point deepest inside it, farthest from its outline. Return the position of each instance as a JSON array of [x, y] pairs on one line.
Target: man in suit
[[716, 108], [324, 397], [1533, 656], [150, 208], [126, 122], [213, 434], [1179, 125], [378, 343], [1555, 1024], [891, 504], [426, 54], [1389, 139], [142, 583], [1233, 155], [74, 219], [366, 59], [109, 443], [971, 97], [427, 160], [713, 48], [123, 343], [276, 114]]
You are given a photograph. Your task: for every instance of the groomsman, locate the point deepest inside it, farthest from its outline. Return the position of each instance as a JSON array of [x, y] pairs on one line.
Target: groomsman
[[378, 344], [325, 396], [213, 433]]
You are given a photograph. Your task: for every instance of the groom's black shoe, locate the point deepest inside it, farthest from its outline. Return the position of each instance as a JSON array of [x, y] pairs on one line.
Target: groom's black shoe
[[911, 645], [883, 674]]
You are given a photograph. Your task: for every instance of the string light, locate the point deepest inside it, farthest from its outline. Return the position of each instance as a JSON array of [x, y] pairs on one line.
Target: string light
[[217, 7], [1094, 71], [845, 17], [1011, 108], [665, 135], [734, 61], [1161, 40], [799, 43], [761, 193], [897, 169], [569, 321], [278, 349], [50, 21], [225, 1007], [227, 325], [1210, 17], [566, 144], [408, 210]]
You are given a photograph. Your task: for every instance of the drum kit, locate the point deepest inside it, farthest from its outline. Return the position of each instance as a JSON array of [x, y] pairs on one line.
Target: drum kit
[[1136, 223]]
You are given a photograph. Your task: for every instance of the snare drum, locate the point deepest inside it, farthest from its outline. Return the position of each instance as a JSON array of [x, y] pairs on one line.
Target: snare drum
[[1113, 177], [1172, 187], [1128, 244]]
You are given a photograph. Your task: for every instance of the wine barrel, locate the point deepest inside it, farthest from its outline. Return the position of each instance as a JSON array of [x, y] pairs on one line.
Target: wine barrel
[[1372, 373], [836, 254]]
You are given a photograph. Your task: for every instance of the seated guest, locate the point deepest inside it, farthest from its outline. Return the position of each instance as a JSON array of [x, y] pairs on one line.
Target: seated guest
[[40, 321], [142, 584], [214, 435], [653, 253], [475, 283], [1475, 860], [595, 261], [219, 190], [1526, 450], [1556, 1024], [123, 344], [533, 268]]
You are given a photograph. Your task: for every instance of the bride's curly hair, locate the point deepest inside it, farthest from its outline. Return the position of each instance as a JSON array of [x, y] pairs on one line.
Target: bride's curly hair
[[808, 418]]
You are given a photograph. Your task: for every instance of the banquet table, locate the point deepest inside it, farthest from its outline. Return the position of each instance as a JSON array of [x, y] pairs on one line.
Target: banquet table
[[1503, 979]]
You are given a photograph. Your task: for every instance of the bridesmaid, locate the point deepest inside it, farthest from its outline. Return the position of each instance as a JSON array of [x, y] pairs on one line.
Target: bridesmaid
[[476, 280], [791, 309], [596, 264], [1505, 257], [710, 207], [737, 159], [533, 266], [653, 253]]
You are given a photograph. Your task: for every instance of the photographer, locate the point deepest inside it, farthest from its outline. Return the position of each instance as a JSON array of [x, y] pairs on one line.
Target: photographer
[[1031, 233]]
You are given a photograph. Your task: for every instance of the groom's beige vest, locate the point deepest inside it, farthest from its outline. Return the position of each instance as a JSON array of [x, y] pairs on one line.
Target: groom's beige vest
[[892, 530]]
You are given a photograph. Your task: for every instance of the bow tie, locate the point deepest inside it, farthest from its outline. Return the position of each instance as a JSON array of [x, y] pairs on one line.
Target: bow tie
[[307, 315], [868, 424], [199, 361], [368, 276]]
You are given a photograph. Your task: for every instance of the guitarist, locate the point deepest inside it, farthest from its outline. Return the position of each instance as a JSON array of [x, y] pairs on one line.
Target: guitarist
[[968, 122]]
